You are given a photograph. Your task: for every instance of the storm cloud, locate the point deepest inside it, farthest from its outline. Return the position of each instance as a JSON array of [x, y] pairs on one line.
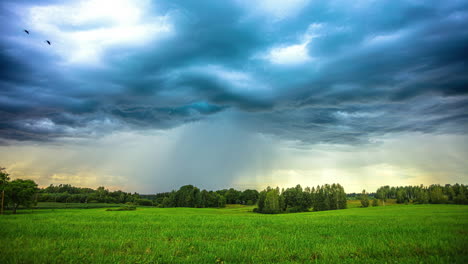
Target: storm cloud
[[309, 72], [315, 72]]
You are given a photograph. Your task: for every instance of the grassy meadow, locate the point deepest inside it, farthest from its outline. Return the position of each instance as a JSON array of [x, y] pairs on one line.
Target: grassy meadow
[[390, 234]]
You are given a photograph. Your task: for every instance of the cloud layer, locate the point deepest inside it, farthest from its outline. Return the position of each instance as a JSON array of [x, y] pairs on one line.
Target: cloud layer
[[231, 85], [315, 72]]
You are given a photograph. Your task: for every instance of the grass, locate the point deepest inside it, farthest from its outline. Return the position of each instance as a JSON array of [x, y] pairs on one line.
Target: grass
[[390, 234]]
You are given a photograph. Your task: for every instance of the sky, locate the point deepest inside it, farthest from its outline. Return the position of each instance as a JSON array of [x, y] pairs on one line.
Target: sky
[[147, 96]]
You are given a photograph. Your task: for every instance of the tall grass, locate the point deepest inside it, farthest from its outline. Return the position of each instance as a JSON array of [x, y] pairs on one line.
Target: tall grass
[[390, 234]]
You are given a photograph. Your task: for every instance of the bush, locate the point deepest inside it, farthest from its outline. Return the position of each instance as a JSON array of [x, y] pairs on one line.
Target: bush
[[364, 199], [125, 208], [144, 202], [365, 202], [295, 209]]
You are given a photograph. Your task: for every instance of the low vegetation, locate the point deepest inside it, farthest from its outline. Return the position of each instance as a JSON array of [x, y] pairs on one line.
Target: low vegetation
[[123, 208], [383, 234], [388, 232]]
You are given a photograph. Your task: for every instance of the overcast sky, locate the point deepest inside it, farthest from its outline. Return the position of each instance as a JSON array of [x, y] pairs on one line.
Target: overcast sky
[[147, 96]]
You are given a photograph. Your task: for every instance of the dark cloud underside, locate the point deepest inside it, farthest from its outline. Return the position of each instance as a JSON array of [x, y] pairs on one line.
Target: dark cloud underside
[[367, 69]]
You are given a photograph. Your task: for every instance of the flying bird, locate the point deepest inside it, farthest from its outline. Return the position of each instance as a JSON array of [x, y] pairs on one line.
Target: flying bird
[[48, 42], [26, 31]]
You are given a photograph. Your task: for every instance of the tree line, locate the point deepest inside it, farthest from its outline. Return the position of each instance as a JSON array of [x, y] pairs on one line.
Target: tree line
[[26, 193], [191, 196], [66, 193], [297, 199], [432, 194], [19, 192]]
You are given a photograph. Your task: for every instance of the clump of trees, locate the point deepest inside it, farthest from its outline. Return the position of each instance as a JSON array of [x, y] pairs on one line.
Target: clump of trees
[[367, 199], [17, 192], [297, 199], [191, 196], [357, 196], [432, 194], [66, 193], [247, 197]]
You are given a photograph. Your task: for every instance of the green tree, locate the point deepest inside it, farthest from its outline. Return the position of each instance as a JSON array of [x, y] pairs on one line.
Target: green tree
[[221, 201], [460, 198], [421, 196], [382, 194], [249, 197], [375, 202], [436, 195], [3, 182], [364, 199], [272, 205], [402, 196], [20, 192], [233, 196], [342, 200], [169, 201], [261, 200]]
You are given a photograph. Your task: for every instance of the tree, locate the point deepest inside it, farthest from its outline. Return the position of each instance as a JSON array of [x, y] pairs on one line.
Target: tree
[[233, 196], [168, 201], [249, 197], [460, 198], [272, 202], [342, 200], [364, 199], [221, 201], [421, 196], [261, 200], [3, 182], [20, 192], [436, 195], [375, 202], [382, 194]]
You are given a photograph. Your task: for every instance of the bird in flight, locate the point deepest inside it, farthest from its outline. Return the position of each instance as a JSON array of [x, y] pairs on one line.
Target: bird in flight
[[27, 32]]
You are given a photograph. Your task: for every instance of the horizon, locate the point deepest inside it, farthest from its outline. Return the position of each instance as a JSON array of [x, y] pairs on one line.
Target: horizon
[[148, 96], [261, 189]]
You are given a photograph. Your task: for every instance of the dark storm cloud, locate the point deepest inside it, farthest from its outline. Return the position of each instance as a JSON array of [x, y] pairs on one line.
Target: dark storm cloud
[[373, 68]]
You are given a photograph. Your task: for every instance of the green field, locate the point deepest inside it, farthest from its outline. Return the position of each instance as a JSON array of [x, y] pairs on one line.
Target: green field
[[390, 234]]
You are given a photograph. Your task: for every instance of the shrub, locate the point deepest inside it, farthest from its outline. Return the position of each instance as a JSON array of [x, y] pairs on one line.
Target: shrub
[[144, 202], [125, 208], [364, 199], [295, 209]]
